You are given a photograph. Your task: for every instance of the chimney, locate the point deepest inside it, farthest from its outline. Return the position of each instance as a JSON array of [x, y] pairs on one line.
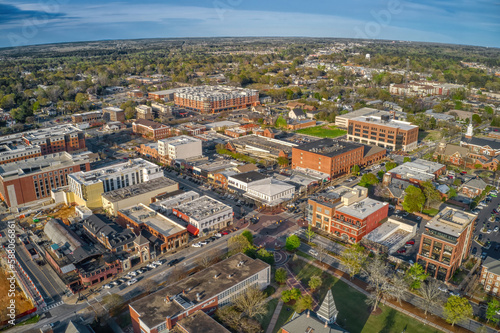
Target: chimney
[[183, 292], [308, 313], [198, 297], [167, 299], [326, 324]]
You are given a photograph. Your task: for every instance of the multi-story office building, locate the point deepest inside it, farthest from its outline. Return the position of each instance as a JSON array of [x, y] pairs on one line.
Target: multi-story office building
[[179, 147], [56, 139], [212, 99], [91, 117], [334, 157], [346, 212], [206, 290], [446, 242], [18, 153], [33, 179], [150, 129], [205, 214], [87, 187], [144, 112], [113, 114], [383, 132], [164, 234]]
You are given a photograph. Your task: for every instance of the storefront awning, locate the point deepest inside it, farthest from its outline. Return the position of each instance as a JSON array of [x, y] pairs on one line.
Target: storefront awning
[[193, 230]]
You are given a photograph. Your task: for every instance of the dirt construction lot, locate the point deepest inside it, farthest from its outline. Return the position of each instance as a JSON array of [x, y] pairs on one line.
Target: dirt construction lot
[[22, 302]]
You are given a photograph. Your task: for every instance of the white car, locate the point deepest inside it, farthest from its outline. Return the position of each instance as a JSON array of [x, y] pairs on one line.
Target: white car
[[131, 282], [218, 235], [313, 252], [203, 243], [139, 271], [196, 245], [157, 263], [132, 274], [152, 266], [108, 286]]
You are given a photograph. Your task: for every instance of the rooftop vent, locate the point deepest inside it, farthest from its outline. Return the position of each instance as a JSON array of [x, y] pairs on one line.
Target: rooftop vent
[[240, 263], [230, 275], [216, 276]]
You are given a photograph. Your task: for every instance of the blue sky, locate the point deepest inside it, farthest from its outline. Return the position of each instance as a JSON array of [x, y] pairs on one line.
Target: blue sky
[[474, 22]]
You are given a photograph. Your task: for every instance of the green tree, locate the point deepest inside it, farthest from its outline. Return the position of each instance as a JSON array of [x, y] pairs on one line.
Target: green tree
[[281, 275], [491, 311], [283, 161], [476, 118], [452, 193], [304, 303], [408, 159], [353, 258], [390, 165], [414, 199], [315, 282], [238, 243], [292, 242], [280, 122], [265, 256], [432, 195], [248, 235], [309, 233], [368, 180], [457, 182], [355, 170], [457, 309], [290, 295], [415, 275]]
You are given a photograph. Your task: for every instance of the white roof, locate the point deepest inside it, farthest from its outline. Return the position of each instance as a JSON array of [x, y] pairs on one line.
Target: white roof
[[363, 208]]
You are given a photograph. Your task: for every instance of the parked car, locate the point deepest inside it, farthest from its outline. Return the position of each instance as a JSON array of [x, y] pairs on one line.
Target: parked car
[[196, 245], [108, 286], [131, 282], [402, 250], [474, 250], [132, 274], [158, 262], [173, 262], [313, 252], [218, 235], [496, 229], [411, 242]]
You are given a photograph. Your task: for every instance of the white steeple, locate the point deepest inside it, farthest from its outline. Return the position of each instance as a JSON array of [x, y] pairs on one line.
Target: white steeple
[[470, 131]]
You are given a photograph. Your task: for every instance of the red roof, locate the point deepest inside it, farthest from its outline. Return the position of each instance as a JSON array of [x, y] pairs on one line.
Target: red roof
[[193, 230]]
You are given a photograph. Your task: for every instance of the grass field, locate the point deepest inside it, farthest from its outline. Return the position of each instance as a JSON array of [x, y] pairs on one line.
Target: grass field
[[429, 135], [264, 320], [23, 304], [322, 131], [354, 314]]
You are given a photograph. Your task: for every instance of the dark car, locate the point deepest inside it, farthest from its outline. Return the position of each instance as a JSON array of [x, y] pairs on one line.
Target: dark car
[[480, 237], [173, 262], [474, 250]]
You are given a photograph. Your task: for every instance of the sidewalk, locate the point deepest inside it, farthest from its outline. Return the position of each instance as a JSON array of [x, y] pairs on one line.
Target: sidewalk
[[274, 319]]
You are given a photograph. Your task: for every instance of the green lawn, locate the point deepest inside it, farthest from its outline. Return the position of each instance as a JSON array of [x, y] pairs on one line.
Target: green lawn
[[284, 316], [264, 320], [354, 314], [322, 131], [431, 211]]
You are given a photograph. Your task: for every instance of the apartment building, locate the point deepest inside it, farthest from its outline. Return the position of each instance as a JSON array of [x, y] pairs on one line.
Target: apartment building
[[18, 153], [164, 234], [56, 139], [345, 212], [34, 178], [179, 147], [383, 132], [334, 157], [416, 172], [212, 99], [342, 120], [87, 187], [446, 242], [205, 214], [91, 117], [144, 112], [150, 129], [490, 276], [206, 290]]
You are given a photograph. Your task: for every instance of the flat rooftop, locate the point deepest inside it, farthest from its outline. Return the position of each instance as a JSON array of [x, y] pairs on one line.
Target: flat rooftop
[[203, 207], [180, 296], [259, 143], [362, 209], [201, 322], [48, 132], [419, 169], [329, 147], [225, 123], [43, 163], [450, 221], [94, 176], [179, 140], [214, 93], [177, 200], [249, 177], [404, 125], [364, 112], [138, 189], [112, 109], [142, 214]]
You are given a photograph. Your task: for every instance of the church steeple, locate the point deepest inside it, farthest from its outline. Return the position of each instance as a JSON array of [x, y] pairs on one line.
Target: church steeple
[[470, 131], [328, 311]]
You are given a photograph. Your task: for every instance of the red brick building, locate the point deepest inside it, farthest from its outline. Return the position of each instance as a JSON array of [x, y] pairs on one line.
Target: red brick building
[[212, 99], [490, 276], [334, 157], [56, 139], [301, 124], [150, 129], [149, 150], [8, 155], [36, 177], [445, 243], [346, 213]]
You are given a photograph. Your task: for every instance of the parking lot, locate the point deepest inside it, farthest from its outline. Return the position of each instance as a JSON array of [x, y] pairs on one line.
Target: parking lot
[[485, 231]]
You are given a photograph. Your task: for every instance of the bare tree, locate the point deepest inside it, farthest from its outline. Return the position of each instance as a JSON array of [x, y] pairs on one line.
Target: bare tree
[[252, 302], [376, 272], [353, 259], [398, 287], [322, 252], [238, 243], [430, 295]]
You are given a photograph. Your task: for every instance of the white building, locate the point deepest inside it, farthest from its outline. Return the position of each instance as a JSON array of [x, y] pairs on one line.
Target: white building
[[270, 191], [179, 147], [205, 213], [242, 180]]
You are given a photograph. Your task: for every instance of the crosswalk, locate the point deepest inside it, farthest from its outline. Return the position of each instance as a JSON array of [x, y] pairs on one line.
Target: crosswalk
[[51, 306]]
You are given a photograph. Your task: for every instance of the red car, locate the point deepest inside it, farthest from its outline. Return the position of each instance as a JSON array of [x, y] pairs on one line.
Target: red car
[[225, 233], [402, 251], [463, 172], [411, 242]]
